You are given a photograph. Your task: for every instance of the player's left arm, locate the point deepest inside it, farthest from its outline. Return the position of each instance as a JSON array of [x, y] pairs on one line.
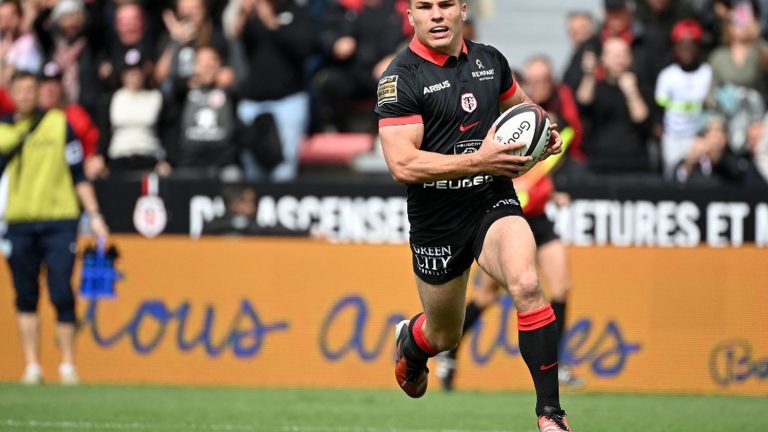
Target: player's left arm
[[516, 97]]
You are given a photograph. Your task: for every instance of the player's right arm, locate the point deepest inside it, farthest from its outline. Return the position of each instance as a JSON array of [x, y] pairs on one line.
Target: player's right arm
[[401, 130], [409, 164]]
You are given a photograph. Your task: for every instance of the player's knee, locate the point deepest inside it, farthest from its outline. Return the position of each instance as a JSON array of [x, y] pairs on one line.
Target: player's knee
[[524, 287]]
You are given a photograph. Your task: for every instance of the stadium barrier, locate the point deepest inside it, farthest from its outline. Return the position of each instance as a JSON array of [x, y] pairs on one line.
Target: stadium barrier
[[609, 214], [283, 312]]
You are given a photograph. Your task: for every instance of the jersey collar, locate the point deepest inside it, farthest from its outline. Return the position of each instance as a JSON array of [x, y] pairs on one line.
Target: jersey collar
[[431, 55]]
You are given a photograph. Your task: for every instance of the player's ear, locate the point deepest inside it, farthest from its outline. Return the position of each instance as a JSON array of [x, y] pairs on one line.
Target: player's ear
[[410, 17]]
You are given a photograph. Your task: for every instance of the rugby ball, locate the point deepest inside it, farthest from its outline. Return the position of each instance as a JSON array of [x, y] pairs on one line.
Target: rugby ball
[[526, 123]]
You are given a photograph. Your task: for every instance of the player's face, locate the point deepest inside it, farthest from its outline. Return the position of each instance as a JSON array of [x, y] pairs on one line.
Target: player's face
[[438, 23]]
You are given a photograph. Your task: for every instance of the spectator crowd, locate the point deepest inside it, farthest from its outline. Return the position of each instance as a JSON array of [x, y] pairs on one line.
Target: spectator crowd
[[229, 89]]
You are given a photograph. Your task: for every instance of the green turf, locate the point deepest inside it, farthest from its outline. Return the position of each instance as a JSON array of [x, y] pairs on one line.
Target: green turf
[[113, 408]]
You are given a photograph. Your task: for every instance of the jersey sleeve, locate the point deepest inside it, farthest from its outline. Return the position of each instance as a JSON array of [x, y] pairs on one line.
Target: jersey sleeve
[[397, 99], [73, 152], [508, 85]]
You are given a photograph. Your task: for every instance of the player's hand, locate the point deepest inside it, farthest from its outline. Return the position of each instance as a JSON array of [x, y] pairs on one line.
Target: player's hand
[[555, 143], [495, 158]]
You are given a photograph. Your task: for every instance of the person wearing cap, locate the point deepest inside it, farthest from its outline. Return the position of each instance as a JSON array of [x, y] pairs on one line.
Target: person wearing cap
[[52, 95], [47, 192], [131, 128], [18, 50], [681, 91]]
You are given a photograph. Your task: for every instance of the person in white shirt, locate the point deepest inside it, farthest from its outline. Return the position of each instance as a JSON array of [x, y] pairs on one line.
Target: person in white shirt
[[134, 119], [681, 90]]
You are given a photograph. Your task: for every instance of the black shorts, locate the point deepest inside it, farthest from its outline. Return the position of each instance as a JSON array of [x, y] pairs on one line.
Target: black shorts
[[543, 229], [439, 259]]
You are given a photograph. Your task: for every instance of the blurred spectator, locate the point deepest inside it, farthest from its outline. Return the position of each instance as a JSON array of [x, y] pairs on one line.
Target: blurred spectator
[[131, 138], [617, 109], [648, 53], [241, 213], [659, 16], [557, 99], [360, 38], [190, 27], [65, 39], [206, 121], [277, 37], [52, 96], [131, 34], [715, 15], [710, 158], [681, 90], [744, 61], [760, 150], [581, 27], [18, 50]]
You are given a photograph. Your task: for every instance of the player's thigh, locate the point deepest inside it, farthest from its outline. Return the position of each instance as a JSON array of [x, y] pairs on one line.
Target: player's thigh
[[508, 255], [553, 265], [444, 304]]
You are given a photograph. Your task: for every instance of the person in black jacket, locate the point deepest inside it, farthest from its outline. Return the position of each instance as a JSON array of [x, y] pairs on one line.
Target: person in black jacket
[[277, 37], [360, 43]]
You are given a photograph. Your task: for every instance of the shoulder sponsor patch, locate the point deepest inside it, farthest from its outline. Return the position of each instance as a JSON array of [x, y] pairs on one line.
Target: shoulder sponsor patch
[[387, 91]]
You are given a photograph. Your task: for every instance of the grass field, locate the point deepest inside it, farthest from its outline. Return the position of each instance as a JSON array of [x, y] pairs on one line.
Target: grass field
[[113, 408]]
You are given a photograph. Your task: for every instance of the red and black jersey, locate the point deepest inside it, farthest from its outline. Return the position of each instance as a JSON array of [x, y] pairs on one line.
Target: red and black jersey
[[457, 100]]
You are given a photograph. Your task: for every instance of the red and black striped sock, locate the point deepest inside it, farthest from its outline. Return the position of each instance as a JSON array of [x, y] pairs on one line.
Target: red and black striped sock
[[417, 348], [537, 333]]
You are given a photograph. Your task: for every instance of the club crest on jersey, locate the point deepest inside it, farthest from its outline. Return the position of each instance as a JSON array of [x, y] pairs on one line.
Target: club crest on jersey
[[468, 102]]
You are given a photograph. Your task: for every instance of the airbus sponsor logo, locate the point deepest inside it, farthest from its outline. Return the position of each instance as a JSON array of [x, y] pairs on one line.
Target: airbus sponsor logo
[[437, 87]]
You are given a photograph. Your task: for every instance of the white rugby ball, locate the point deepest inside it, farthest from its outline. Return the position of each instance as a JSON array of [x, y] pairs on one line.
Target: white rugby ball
[[528, 124]]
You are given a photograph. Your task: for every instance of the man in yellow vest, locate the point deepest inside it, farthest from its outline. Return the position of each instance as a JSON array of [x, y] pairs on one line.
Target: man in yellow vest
[[44, 162]]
